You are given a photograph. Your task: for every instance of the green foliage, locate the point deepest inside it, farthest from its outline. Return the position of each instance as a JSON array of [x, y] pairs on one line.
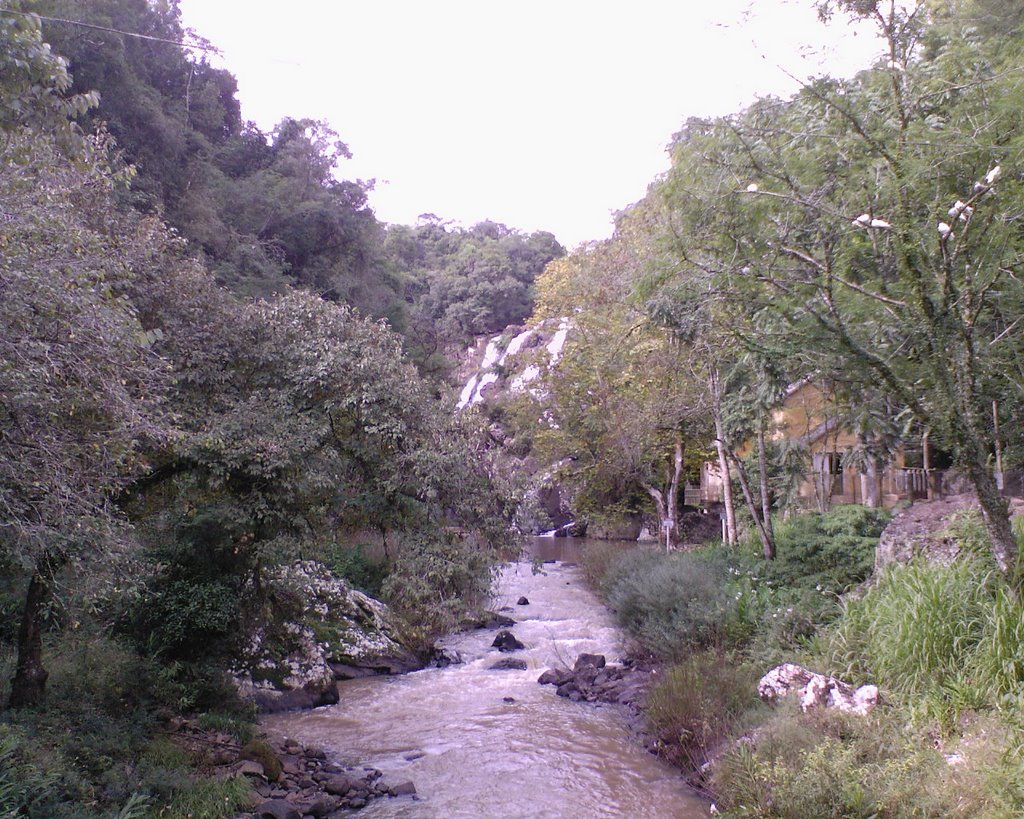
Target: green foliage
[[437, 581], [357, 567], [674, 604], [916, 629], [830, 552], [833, 765], [23, 786], [188, 620], [698, 704], [465, 281], [239, 726], [259, 750], [35, 86], [209, 799]]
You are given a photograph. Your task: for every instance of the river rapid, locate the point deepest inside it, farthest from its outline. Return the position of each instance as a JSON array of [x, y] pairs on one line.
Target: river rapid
[[486, 743]]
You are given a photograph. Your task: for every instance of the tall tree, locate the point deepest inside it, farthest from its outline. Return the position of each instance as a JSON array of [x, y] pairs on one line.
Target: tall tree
[[876, 223]]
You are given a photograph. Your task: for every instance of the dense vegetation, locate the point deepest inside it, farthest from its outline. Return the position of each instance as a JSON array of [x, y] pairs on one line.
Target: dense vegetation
[[215, 360], [943, 641], [266, 211], [201, 380], [864, 234]]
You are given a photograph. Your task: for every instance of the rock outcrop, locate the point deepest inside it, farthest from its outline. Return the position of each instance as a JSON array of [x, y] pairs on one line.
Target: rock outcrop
[[816, 690], [329, 632], [592, 679], [922, 529]]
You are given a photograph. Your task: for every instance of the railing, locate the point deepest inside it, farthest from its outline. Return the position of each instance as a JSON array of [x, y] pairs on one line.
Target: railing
[[916, 482]]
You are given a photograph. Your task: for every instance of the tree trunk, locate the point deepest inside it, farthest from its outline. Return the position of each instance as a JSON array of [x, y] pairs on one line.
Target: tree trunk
[[28, 685], [667, 503], [727, 498], [668, 534], [871, 490], [996, 514], [731, 535], [767, 537], [762, 471]]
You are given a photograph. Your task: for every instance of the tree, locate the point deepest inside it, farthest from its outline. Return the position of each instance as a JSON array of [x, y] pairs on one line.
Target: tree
[[623, 408], [80, 388], [874, 222]]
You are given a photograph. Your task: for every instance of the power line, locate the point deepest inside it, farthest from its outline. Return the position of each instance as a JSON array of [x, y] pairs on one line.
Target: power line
[[135, 34]]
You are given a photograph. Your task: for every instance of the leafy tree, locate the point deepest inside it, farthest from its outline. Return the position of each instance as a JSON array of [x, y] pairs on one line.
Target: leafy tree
[[80, 388], [623, 409], [463, 282], [872, 221]]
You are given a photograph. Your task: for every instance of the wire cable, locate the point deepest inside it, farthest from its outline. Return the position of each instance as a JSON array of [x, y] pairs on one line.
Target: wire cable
[[81, 24]]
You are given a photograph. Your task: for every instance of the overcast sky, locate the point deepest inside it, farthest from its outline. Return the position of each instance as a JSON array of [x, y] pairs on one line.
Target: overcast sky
[[542, 114]]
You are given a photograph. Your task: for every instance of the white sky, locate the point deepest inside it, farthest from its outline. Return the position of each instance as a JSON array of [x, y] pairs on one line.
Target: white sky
[[542, 114]]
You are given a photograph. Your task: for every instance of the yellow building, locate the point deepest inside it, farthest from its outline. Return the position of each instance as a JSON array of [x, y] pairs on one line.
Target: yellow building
[[804, 419]]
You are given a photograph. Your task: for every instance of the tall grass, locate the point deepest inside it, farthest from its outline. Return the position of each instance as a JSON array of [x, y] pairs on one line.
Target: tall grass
[[916, 629], [698, 704]]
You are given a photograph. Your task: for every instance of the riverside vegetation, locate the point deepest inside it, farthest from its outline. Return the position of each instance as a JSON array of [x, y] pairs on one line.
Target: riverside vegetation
[[215, 361], [943, 641]]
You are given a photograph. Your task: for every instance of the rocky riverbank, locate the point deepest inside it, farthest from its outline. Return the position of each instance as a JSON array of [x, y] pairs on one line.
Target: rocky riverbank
[[289, 780]]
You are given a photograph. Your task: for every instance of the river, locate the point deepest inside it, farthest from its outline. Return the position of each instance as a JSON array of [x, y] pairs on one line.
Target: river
[[483, 743]]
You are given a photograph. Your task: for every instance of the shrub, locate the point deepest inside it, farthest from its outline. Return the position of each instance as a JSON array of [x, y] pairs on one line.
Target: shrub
[[674, 604], [209, 799], [698, 703], [357, 567], [187, 619], [832, 765], [436, 581], [259, 750], [240, 726], [998, 662], [24, 787], [830, 552]]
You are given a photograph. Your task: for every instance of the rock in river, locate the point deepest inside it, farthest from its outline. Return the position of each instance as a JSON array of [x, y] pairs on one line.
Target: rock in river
[[506, 641]]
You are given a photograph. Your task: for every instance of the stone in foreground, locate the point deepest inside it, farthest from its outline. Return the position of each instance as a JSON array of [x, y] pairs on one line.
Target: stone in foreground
[[816, 690]]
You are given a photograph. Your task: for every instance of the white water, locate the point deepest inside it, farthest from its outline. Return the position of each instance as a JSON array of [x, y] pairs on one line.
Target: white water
[[494, 356], [471, 753]]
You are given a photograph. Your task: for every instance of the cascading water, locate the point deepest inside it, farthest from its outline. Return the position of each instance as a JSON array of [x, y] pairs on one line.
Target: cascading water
[[487, 743]]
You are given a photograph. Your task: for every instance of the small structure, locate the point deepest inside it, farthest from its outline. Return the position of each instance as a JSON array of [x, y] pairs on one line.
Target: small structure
[[805, 420]]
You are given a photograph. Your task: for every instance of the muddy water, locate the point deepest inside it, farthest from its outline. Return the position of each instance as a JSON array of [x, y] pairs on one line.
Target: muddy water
[[473, 753]]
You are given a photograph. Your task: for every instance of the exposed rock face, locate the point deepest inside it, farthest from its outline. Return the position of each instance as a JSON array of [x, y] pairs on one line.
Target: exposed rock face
[[334, 632], [816, 690], [922, 529], [626, 528]]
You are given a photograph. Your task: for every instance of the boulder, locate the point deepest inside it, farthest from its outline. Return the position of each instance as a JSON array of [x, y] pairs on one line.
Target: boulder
[[402, 789], [336, 633], [277, 809], [584, 660], [444, 657], [522, 601], [344, 784], [508, 664], [555, 676], [506, 641], [816, 690]]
